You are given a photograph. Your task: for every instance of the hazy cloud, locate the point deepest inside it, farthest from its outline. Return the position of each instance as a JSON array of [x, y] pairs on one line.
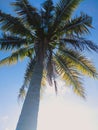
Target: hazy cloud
[[4, 118]]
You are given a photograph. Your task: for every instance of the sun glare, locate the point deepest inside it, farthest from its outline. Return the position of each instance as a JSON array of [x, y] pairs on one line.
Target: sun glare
[[59, 114]]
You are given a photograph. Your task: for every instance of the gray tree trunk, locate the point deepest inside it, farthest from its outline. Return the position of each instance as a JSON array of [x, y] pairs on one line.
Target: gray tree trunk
[[29, 114]]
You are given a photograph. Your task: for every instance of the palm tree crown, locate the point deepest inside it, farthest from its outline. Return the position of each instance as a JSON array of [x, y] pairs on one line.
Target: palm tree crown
[[51, 35]]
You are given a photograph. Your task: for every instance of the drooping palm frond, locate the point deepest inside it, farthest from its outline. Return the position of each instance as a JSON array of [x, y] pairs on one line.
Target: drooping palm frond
[[80, 62], [11, 42], [15, 56], [69, 74], [29, 72], [79, 43], [79, 25], [65, 8], [13, 24], [27, 13], [22, 93]]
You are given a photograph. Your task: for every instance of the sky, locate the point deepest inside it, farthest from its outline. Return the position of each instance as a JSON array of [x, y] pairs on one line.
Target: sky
[[67, 111]]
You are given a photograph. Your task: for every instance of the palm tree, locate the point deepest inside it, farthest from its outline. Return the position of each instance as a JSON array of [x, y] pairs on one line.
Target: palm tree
[[54, 44]]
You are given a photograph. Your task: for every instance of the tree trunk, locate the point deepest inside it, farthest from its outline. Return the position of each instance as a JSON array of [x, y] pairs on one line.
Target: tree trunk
[[29, 113]]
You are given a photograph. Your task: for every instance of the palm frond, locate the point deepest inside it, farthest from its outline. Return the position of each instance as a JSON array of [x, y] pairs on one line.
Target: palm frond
[[69, 74], [79, 43], [13, 25], [63, 12], [65, 8], [29, 72], [79, 25], [11, 42], [27, 13], [22, 93], [43, 82], [15, 56], [80, 62]]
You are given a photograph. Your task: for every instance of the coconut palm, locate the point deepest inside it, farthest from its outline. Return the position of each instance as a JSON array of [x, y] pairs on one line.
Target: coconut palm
[[54, 44]]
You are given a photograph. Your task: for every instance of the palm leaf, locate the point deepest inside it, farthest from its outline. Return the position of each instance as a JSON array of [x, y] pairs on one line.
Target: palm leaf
[[79, 43], [15, 56], [80, 62], [27, 13], [11, 42], [65, 8], [79, 25], [22, 93], [29, 72], [69, 74], [13, 24]]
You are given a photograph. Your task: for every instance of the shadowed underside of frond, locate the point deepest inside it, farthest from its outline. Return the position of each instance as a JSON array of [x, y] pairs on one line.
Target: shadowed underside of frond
[[78, 25], [13, 24], [79, 43], [10, 42], [27, 13]]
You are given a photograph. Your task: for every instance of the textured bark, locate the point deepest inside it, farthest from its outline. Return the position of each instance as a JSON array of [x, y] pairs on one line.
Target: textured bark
[[29, 113]]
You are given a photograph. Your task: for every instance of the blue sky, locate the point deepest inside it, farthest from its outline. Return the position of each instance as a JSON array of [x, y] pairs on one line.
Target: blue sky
[[11, 78]]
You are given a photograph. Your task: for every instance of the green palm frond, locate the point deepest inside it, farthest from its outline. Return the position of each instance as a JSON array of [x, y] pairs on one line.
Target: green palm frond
[[65, 8], [63, 12], [13, 24], [27, 13], [69, 74], [22, 93], [15, 56], [29, 72], [43, 82], [79, 43], [79, 25], [80, 62], [10, 42]]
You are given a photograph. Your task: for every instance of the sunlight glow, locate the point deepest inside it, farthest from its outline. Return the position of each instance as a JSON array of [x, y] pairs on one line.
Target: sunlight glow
[[59, 114]]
